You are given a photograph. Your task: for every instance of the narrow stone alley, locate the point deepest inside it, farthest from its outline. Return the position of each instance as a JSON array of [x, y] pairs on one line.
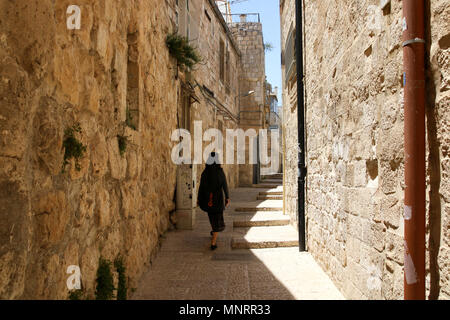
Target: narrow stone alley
[[257, 257], [328, 120]]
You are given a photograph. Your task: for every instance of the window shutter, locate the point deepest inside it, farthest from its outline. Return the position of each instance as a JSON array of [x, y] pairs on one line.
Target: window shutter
[[290, 58]]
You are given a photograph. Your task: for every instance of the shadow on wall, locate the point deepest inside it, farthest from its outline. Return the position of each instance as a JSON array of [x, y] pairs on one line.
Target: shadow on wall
[[434, 170]]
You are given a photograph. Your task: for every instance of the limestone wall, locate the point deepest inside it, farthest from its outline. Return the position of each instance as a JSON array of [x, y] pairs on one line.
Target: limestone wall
[[51, 79], [355, 184], [289, 125], [114, 77], [211, 30], [252, 77]]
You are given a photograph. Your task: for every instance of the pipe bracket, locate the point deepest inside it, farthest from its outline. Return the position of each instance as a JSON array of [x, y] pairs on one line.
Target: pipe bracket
[[416, 40]]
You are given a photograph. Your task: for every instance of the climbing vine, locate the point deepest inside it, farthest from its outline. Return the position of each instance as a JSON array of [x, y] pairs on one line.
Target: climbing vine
[[76, 295], [122, 285], [129, 120], [105, 281], [73, 148], [105, 284], [123, 141]]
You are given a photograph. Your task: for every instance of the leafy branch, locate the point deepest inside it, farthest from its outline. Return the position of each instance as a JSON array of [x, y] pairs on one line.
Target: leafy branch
[[179, 47]]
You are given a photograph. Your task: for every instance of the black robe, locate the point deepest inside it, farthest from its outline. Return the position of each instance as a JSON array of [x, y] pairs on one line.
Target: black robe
[[213, 185]]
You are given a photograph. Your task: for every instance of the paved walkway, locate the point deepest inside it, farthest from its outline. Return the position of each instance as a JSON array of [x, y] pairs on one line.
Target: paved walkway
[[186, 268]]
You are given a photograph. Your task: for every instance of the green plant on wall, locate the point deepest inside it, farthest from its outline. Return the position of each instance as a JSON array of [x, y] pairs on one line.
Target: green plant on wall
[[122, 286], [123, 141], [179, 47], [268, 47], [76, 295], [105, 283], [73, 148]]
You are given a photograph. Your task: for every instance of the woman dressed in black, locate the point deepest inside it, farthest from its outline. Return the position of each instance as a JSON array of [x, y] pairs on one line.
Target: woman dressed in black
[[213, 185]]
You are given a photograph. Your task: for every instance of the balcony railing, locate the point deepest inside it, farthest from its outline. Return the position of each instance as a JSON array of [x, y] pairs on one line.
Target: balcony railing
[[242, 18]]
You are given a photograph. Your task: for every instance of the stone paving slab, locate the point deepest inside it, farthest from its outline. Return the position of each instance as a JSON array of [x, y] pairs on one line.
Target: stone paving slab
[[250, 208], [274, 193], [270, 197], [266, 186], [260, 237], [260, 219], [259, 205], [186, 269], [273, 181]]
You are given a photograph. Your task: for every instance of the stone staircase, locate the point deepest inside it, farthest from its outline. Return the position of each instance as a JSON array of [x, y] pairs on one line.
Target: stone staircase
[[259, 222]]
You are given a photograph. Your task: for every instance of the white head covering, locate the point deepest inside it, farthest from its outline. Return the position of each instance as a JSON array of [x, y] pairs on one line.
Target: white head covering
[[213, 158]]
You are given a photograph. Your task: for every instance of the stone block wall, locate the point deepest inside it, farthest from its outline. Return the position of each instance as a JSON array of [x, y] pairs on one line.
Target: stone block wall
[[355, 157], [114, 77], [289, 123], [51, 79], [211, 30], [252, 77]]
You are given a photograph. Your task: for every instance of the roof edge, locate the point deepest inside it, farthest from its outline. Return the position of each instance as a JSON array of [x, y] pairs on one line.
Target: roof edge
[[225, 25]]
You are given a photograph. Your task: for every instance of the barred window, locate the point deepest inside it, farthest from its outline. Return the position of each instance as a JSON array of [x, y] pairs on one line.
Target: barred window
[[222, 61]]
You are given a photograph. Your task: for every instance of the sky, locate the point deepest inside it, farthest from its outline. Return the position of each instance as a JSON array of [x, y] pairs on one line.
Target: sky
[[270, 19]]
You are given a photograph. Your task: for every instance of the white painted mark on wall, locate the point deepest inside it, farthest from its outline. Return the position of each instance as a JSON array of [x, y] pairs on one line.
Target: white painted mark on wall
[[74, 281], [408, 212], [374, 14], [374, 280], [74, 20], [410, 269], [404, 24]]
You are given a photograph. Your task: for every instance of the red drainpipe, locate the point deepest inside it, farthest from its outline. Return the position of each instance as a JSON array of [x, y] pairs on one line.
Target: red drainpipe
[[414, 88]]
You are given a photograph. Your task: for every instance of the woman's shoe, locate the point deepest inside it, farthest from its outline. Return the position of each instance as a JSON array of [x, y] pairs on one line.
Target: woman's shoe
[[213, 247]]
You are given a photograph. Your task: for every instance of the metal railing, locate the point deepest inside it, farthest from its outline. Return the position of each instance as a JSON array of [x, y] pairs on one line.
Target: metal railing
[[242, 18]]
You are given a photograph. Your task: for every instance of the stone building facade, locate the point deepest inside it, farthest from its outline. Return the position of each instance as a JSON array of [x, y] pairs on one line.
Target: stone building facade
[[52, 79], [208, 92], [115, 78], [252, 77], [355, 154]]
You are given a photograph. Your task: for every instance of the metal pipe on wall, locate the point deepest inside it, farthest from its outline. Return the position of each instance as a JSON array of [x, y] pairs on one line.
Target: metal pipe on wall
[[301, 125], [414, 99]]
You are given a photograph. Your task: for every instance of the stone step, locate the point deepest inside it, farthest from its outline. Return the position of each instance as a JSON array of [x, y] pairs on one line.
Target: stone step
[[271, 193], [273, 176], [266, 186], [260, 219], [258, 209], [264, 237], [273, 181], [270, 197]]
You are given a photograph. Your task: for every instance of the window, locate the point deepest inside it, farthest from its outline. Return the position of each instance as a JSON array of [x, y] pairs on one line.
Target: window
[[227, 71], [184, 19], [290, 57], [186, 105], [132, 112], [222, 61]]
